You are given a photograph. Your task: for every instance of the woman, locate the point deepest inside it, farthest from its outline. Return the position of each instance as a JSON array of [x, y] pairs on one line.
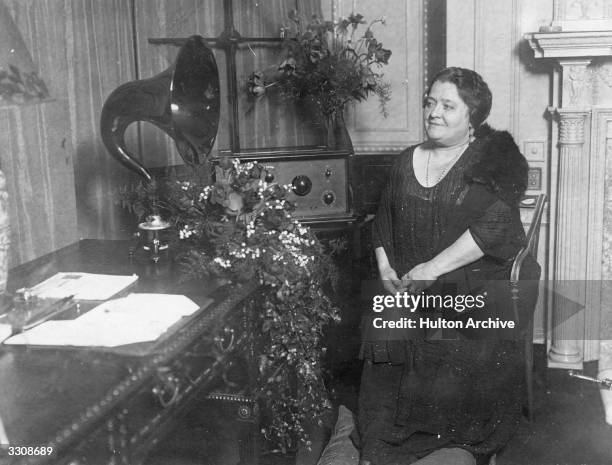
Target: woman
[[448, 224]]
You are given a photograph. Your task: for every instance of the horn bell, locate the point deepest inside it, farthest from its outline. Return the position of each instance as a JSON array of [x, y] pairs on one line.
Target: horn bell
[[183, 101]]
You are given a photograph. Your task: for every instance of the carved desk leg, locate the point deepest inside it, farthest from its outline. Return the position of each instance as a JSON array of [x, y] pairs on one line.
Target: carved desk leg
[[249, 441], [246, 414]]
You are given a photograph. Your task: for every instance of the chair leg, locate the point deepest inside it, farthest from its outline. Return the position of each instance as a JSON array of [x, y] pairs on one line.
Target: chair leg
[[529, 376]]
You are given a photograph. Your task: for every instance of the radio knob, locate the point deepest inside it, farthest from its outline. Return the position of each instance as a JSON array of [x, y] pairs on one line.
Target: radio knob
[[269, 177], [302, 185], [328, 198], [328, 173]]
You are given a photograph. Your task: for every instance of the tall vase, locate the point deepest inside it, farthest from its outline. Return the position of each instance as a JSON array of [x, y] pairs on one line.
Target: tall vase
[[337, 137], [5, 234]]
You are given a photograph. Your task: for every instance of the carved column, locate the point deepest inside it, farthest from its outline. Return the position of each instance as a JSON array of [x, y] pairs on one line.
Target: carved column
[[570, 246], [570, 250]]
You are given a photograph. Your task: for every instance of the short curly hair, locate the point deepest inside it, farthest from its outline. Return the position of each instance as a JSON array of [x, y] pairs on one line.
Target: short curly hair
[[472, 89]]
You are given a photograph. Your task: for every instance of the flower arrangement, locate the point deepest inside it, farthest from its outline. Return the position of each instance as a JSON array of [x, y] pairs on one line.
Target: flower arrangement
[[326, 63], [241, 228]]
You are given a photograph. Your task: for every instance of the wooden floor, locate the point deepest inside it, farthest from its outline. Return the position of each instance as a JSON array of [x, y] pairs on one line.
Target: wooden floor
[[569, 426]]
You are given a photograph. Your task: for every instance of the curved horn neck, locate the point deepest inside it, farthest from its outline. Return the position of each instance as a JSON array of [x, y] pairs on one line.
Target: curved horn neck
[[183, 101], [142, 100]]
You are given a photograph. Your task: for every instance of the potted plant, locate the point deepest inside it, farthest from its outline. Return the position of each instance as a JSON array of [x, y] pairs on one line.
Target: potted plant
[[329, 65]]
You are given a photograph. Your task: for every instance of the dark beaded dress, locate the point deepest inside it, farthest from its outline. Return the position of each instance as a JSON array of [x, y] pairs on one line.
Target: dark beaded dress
[[420, 394]]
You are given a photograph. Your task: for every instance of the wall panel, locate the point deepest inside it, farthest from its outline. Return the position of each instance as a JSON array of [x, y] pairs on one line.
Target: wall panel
[[487, 37], [403, 34]]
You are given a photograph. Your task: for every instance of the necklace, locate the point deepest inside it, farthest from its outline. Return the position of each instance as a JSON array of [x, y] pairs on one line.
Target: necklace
[[449, 165]]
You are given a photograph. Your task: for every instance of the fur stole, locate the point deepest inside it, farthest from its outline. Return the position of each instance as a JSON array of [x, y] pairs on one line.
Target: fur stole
[[501, 168]]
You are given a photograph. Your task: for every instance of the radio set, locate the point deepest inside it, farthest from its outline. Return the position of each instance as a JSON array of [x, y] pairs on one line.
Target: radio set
[[184, 101]]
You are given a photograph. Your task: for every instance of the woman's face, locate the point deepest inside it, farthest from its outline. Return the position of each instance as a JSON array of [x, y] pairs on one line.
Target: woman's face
[[447, 117]]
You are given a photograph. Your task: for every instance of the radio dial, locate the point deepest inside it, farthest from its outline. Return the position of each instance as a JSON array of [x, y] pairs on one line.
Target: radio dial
[[302, 185], [329, 198]]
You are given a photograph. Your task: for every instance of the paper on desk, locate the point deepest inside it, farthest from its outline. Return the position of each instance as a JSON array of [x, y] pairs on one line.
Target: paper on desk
[[128, 320], [143, 307], [5, 331], [83, 286]]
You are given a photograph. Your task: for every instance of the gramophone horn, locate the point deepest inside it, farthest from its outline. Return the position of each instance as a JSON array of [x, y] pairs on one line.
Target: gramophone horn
[[183, 101]]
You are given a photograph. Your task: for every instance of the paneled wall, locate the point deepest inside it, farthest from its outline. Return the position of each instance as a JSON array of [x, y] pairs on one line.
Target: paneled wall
[[403, 34], [488, 37], [376, 139]]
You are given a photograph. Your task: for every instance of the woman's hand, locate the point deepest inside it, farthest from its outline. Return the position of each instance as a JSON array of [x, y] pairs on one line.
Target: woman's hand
[[420, 277], [391, 281]]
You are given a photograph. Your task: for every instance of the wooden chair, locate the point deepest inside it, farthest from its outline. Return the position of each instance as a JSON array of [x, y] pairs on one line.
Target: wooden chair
[[530, 248]]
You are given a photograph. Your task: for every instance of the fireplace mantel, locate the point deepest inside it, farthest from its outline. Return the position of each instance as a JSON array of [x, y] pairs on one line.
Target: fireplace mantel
[[579, 139], [570, 44]]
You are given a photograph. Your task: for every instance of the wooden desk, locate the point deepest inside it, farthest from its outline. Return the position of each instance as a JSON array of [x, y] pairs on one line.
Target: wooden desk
[[110, 406]]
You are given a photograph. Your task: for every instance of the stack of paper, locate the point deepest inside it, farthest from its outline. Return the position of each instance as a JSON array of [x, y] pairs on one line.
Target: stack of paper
[[128, 320], [83, 286]]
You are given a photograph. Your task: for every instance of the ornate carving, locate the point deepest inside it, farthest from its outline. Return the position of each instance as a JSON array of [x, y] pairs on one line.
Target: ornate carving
[[601, 76], [167, 388], [571, 128], [370, 148], [225, 340], [582, 15], [575, 84], [245, 412], [572, 10]]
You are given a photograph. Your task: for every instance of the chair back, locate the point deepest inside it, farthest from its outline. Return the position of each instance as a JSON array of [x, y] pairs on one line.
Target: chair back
[[530, 295], [533, 239]]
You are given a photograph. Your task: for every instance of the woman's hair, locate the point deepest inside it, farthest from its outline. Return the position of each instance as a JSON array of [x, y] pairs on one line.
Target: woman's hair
[[472, 89]]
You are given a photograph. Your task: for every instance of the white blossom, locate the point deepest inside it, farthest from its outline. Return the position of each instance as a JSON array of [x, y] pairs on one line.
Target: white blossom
[[186, 232], [222, 262]]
